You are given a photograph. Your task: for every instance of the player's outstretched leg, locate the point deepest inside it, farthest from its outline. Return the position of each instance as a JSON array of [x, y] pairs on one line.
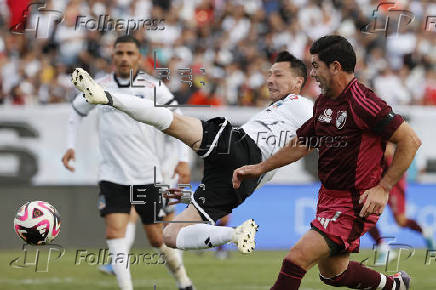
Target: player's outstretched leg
[[194, 235], [335, 270], [187, 129], [338, 271], [412, 224]]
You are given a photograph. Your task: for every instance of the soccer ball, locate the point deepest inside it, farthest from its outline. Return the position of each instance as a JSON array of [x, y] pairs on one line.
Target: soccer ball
[[37, 222]]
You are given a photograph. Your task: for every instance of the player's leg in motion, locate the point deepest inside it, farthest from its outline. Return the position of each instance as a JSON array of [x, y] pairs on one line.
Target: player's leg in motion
[[397, 203], [335, 270], [412, 224], [182, 235], [384, 252], [221, 252], [173, 259], [187, 129], [115, 238], [129, 238]]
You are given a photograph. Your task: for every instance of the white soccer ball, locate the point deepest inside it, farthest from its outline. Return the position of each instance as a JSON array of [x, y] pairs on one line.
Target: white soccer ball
[[37, 222]]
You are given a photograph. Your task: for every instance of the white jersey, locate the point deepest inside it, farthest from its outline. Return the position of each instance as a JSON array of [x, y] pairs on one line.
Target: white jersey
[[277, 124], [129, 149]]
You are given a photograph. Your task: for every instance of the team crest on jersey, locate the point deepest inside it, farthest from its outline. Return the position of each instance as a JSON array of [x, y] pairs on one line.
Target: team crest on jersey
[[326, 117], [341, 118]]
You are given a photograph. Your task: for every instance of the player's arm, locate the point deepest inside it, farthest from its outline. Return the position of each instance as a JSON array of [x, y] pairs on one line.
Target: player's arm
[[407, 145], [289, 153], [376, 116], [80, 109]]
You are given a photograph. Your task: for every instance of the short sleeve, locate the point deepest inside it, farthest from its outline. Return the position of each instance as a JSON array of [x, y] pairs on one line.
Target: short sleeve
[[81, 106], [307, 129], [372, 113]]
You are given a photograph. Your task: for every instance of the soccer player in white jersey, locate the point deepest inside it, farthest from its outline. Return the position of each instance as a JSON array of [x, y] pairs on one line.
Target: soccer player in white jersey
[[128, 157], [223, 149]]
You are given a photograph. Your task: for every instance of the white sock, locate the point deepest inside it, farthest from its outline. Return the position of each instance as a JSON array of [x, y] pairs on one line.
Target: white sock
[[120, 265], [143, 110], [202, 236], [382, 282], [130, 235], [175, 265]]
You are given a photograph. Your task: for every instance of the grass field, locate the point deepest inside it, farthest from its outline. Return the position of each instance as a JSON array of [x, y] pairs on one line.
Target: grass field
[[257, 271]]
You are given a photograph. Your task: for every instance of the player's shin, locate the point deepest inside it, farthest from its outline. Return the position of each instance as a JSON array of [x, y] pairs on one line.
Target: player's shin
[[119, 253], [358, 276], [129, 237], [289, 277], [142, 110], [202, 236], [175, 265]]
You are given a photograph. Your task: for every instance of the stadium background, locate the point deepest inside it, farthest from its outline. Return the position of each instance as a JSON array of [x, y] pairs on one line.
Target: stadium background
[[235, 42]]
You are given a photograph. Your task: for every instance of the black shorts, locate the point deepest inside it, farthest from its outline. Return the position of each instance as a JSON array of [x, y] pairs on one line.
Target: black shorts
[[117, 198], [223, 149]]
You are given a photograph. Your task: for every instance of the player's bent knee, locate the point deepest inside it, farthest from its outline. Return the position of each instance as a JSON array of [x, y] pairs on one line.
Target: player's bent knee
[[156, 239], [156, 243], [297, 257], [170, 235], [115, 233]]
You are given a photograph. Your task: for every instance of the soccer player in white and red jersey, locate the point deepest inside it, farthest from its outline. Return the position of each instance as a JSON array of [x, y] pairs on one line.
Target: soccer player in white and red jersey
[[353, 192]]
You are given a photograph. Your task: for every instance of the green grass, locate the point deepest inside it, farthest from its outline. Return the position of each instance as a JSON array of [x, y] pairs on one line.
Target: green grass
[[257, 271]]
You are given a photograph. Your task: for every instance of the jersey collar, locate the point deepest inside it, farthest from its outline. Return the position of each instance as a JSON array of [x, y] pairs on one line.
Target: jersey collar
[[128, 85]]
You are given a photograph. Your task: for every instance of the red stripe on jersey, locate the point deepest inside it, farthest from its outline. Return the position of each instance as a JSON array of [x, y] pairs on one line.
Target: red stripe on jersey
[[367, 107], [353, 81], [358, 120], [368, 99]]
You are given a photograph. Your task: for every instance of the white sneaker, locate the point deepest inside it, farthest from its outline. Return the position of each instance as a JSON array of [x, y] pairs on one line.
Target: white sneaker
[[244, 236], [402, 281], [93, 92]]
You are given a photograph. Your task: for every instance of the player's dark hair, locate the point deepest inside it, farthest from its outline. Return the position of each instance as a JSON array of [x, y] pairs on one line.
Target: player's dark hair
[[296, 64], [335, 48], [127, 39]]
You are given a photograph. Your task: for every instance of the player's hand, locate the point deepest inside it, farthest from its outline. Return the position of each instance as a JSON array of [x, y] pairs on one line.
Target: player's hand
[[68, 156], [184, 172], [375, 200], [180, 195], [245, 172]]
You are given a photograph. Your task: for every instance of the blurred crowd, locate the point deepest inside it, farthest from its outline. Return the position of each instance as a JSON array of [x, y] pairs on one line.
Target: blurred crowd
[[229, 45]]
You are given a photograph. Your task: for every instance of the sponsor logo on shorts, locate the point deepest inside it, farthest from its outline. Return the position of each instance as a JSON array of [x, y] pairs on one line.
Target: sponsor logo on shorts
[[325, 221]]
